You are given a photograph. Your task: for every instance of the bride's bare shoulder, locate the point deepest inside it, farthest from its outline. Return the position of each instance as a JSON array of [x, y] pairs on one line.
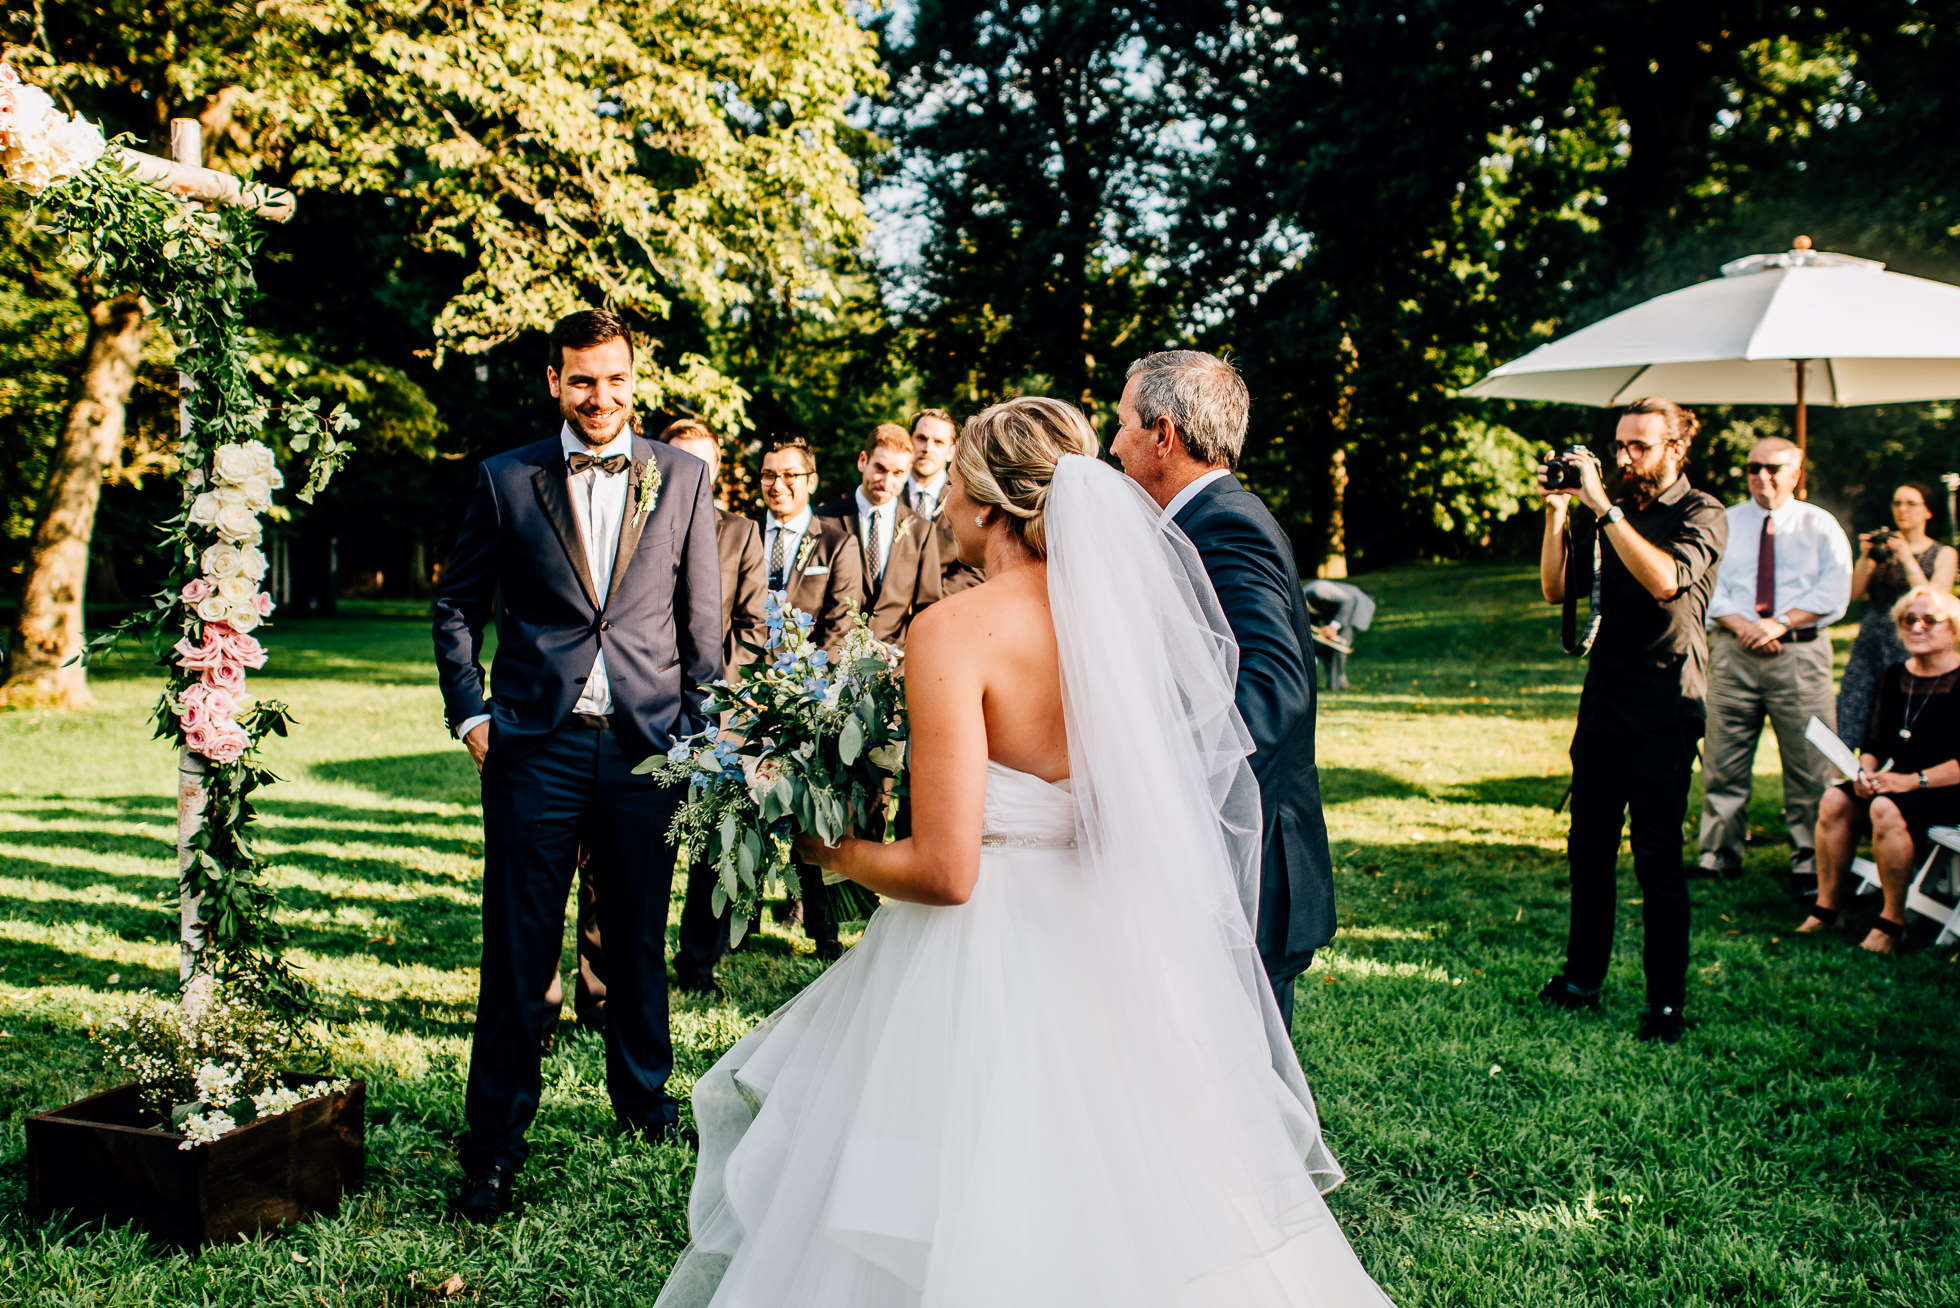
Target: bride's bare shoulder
[[966, 622]]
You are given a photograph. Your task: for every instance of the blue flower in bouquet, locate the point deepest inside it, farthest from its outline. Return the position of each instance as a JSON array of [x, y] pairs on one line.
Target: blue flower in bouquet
[[820, 659], [804, 620], [680, 752], [815, 687], [772, 611]]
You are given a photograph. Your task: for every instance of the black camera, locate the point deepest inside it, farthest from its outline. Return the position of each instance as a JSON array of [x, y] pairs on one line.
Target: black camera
[[1564, 468], [1881, 538]]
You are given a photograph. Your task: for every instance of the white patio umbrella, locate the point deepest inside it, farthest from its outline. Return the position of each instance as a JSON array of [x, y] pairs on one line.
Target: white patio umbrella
[[1808, 326]]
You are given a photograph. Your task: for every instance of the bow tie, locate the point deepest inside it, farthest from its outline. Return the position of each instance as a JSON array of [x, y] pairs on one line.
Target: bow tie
[[611, 464]]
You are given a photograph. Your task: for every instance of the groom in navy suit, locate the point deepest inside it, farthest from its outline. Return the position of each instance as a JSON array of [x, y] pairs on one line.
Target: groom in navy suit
[[1182, 426], [598, 549]]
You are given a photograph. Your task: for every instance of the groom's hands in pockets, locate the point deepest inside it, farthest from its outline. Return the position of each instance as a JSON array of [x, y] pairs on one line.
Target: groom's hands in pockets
[[479, 742]]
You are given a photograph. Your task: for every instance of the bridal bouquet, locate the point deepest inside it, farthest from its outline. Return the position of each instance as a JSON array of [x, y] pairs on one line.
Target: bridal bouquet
[[807, 745]]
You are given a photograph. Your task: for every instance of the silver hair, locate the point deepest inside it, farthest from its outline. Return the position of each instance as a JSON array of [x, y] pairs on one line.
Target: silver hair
[[1202, 394]]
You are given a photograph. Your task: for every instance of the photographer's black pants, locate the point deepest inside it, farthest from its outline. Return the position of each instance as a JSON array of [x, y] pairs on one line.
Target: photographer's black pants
[[1644, 776]]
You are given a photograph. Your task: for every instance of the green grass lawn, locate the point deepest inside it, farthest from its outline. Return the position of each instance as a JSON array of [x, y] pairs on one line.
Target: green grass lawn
[[1801, 1146]]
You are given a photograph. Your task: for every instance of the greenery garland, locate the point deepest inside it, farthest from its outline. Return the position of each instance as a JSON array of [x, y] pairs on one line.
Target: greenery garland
[[193, 266]]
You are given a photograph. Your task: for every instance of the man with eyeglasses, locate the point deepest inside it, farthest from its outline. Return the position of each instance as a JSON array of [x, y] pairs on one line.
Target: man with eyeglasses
[[817, 563], [1785, 579], [1640, 712]]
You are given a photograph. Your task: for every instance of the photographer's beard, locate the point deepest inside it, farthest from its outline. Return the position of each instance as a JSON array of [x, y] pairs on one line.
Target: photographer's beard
[[1644, 488]]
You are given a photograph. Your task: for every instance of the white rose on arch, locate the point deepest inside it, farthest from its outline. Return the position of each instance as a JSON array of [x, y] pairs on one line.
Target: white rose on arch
[[204, 510], [235, 463], [213, 608], [222, 560], [241, 617], [257, 492], [251, 562], [237, 523], [263, 464], [237, 589]]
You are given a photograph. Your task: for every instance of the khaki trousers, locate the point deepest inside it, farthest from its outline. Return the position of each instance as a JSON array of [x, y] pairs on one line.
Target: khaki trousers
[[1789, 687]]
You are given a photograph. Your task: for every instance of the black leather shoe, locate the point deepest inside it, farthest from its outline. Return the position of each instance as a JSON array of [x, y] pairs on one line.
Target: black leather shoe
[[486, 1196], [1560, 993], [1665, 1024], [661, 1133]]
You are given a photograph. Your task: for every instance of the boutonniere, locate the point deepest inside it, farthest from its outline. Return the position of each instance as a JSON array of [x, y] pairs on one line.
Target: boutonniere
[[803, 548], [648, 490]]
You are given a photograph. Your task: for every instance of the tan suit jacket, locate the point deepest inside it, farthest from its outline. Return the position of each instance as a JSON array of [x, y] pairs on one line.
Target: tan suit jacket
[[954, 576], [744, 585], [826, 579], [913, 573]]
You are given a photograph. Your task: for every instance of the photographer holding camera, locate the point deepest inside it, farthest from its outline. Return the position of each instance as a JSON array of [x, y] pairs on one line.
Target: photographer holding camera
[[1641, 710]]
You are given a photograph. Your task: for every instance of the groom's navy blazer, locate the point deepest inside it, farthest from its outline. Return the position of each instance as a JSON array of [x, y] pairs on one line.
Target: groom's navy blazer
[[1251, 568], [660, 624]]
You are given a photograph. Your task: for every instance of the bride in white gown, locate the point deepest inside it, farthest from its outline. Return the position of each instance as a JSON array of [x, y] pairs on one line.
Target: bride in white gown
[[1051, 1072]]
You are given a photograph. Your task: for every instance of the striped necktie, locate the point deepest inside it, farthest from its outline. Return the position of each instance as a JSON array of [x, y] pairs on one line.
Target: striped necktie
[[776, 579]]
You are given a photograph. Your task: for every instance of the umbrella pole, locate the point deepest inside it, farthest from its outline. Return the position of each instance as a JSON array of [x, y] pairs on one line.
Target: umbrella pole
[[1803, 442]]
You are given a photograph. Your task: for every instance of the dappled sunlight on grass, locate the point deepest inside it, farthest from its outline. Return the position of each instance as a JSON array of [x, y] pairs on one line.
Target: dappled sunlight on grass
[[1497, 1153]]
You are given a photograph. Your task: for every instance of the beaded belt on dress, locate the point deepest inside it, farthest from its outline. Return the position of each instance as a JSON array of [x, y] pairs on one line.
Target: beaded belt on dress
[[993, 841]]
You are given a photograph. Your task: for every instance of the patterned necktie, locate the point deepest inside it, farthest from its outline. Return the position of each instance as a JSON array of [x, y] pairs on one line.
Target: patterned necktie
[[611, 465], [871, 553], [776, 579], [1766, 570]]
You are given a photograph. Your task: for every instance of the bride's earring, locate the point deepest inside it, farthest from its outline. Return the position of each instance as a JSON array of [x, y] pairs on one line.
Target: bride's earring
[[979, 519]]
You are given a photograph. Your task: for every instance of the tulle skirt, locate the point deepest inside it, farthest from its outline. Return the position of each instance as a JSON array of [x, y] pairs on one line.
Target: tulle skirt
[[977, 1107]]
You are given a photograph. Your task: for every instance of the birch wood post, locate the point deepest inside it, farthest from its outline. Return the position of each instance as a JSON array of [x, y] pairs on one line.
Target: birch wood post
[[187, 149]]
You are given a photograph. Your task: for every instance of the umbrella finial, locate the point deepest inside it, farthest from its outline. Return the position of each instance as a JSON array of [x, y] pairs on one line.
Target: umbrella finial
[[1801, 243]]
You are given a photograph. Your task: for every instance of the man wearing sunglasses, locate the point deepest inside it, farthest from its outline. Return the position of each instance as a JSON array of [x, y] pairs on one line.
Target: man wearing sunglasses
[[1657, 540], [1785, 579]]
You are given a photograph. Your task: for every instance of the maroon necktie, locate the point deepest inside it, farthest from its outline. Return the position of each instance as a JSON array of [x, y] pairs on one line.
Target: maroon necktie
[[1766, 570]]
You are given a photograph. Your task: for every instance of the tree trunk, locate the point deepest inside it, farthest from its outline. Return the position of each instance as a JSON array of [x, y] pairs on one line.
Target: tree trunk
[[48, 632], [1333, 562]]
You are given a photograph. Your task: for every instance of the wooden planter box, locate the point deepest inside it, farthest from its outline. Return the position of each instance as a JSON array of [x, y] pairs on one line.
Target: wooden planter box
[[99, 1159]]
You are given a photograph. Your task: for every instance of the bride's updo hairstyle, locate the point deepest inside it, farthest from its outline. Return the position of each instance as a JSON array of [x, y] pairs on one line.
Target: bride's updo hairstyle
[[1007, 456]]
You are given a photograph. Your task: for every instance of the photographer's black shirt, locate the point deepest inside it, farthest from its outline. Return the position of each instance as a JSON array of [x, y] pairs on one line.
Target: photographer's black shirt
[[1649, 664]]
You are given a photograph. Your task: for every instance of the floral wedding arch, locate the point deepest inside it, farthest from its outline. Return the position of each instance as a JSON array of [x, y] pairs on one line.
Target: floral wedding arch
[[135, 222]]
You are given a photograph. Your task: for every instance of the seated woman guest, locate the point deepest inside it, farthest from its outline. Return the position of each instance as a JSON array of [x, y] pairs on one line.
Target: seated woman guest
[[1908, 779], [1886, 570]]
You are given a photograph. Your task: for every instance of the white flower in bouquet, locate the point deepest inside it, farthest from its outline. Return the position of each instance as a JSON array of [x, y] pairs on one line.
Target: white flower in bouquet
[[251, 562], [890, 757], [237, 523], [222, 560], [762, 776]]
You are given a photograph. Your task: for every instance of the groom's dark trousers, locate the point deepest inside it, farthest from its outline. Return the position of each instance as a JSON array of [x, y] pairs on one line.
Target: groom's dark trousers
[[554, 775], [1250, 563]]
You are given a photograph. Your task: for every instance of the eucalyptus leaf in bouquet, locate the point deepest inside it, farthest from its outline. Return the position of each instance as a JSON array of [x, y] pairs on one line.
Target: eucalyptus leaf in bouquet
[[806, 744]]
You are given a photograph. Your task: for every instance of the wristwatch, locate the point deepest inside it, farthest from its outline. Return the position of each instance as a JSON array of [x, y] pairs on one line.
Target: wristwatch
[[1783, 620], [1613, 515], [1922, 781]]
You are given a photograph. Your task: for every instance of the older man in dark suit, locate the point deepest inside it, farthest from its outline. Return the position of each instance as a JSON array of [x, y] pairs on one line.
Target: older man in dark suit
[[602, 547], [899, 547], [1182, 423]]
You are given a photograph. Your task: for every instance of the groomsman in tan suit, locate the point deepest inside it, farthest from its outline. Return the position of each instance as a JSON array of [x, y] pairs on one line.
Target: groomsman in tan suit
[[818, 562], [899, 547], [933, 434], [744, 579]]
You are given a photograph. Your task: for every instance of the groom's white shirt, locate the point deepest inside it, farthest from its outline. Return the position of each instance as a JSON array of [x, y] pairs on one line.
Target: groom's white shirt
[[600, 503], [1189, 493]]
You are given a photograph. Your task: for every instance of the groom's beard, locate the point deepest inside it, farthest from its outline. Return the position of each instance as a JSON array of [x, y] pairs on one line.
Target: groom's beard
[[597, 430]]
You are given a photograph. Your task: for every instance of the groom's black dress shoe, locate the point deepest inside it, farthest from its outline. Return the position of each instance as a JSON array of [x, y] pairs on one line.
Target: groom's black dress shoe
[[1665, 1024], [486, 1196], [1560, 993]]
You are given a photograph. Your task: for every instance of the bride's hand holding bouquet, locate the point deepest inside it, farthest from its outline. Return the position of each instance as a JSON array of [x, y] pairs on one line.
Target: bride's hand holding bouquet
[[804, 746]]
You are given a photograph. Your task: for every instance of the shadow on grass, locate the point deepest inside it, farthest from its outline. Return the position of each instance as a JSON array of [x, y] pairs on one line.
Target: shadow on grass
[[440, 776], [1341, 785]]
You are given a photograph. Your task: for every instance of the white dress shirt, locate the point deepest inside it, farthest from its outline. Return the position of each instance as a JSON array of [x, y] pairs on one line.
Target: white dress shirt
[[599, 503], [1813, 563], [887, 516], [926, 494], [792, 533], [1190, 493]]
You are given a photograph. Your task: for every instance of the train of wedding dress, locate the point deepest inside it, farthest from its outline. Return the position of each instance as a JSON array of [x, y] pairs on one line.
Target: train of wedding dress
[[1073, 1089]]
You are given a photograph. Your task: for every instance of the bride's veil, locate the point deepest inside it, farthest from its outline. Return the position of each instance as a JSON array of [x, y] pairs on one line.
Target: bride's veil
[[1167, 806]]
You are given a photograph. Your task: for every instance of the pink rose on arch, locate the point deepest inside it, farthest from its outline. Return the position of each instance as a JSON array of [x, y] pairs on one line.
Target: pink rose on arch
[[227, 678], [218, 704], [192, 715], [198, 738], [205, 654], [229, 744], [264, 603], [242, 648], [197, 592]]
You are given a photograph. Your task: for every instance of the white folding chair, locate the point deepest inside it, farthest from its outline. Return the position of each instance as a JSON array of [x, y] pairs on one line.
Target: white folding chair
[[1868, 882], [1946, 858]]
